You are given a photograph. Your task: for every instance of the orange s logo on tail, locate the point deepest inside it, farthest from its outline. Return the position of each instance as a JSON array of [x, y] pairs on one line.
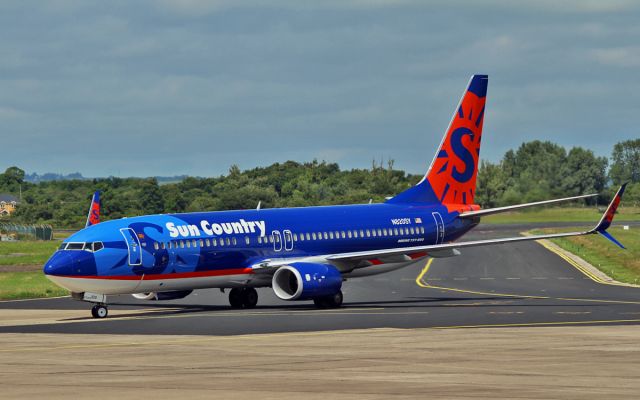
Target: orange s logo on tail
[[453, 172]]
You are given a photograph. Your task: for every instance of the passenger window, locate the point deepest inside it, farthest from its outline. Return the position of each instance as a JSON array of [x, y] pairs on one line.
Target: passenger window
[[182, 244], [330, 235], [155, 246], [373, 232], [349, 234], [229, 242], [207, 242], [295, 237], [246, 239], [384, 232], [379, 232], [343, 235], [325, 235], [201, 243], [422, 230], [412, 231], [221, 242], [302, 237], [313, 235], [270, 238], [188, 244], [395, 231], [361, 233]]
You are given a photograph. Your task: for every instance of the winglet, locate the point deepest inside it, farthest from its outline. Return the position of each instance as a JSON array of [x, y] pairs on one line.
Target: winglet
[[607, 217], [94, 210]]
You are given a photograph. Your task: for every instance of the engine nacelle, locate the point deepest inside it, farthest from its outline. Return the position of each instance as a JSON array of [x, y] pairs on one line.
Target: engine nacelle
[[304, 281], [172, 295]]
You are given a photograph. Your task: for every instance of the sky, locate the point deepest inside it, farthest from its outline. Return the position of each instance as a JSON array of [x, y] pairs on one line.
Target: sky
[[163, 88]]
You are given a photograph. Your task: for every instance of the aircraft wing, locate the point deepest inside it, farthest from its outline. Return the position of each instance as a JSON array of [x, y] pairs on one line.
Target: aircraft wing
[[600, 228]]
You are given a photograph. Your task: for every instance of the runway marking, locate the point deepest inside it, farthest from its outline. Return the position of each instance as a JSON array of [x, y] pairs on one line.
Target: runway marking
[[572, 312], [423, 284], [487, 279], [420, 281], [505, 312], [524, 324]]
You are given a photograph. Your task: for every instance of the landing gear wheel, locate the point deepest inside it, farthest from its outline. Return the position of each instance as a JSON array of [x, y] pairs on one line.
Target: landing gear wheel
[[332, 301], [99, 311], [249, 297], [235, 298]]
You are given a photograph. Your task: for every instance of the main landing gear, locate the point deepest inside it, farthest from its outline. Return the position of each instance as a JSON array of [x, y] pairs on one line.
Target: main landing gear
[[332, 301], [246, 297]]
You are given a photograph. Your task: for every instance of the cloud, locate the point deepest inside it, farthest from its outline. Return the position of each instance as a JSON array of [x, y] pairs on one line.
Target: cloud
[[195, 86], [628, 56]]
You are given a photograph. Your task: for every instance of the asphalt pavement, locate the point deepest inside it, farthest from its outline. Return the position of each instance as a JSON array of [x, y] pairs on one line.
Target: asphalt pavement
[[521, 284]]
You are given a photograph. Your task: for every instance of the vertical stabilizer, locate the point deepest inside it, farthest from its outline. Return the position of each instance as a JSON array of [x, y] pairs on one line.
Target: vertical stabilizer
[[451, 178], [94, 210]]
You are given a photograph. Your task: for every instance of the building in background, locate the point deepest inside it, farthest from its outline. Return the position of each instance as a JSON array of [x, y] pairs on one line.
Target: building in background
[[8, 204]]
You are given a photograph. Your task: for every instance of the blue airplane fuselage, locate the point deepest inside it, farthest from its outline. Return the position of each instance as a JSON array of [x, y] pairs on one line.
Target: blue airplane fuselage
[[167, 249]]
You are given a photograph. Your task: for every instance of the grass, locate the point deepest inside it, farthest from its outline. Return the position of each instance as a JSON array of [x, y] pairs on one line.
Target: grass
[[621, 265], [561, 214], [26, 252], [27, 285]]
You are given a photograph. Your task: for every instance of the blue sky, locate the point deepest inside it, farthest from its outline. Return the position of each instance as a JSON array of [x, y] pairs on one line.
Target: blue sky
[[191, 87]]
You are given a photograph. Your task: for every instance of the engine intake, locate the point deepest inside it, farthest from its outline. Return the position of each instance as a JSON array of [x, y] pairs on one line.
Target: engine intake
[[304, 281]]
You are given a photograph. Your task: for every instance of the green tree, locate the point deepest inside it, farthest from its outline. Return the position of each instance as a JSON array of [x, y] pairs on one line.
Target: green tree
[[151, 198], [583, 172], [625, 166]]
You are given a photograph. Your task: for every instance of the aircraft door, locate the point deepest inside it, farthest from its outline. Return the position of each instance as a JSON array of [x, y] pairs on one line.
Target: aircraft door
[[277, 240], [439, 227], [133, 246], [288, 240]]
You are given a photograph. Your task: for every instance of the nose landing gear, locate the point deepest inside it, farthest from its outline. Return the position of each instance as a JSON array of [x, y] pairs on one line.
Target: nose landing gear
[[99, 311]]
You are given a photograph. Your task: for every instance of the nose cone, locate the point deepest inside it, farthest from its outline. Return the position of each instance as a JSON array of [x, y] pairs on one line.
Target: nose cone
[[60, 264]]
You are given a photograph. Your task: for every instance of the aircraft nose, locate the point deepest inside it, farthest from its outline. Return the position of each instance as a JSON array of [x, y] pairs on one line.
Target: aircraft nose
[[60, 263]]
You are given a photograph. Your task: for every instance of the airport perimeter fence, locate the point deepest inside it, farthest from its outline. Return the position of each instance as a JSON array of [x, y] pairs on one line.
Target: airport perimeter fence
[[10, 232]]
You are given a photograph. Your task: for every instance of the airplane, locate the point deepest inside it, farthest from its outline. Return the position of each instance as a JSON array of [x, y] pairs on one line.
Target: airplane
[[302, 253]]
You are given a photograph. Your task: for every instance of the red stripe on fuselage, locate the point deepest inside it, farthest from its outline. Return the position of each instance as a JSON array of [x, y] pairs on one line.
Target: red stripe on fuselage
[[177, 275]]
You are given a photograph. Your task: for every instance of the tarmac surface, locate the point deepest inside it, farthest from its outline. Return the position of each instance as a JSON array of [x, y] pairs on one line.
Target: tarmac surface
[[550, 329], [521, 284]]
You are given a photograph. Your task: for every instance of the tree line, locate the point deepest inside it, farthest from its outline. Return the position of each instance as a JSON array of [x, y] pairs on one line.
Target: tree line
[[535, 171]]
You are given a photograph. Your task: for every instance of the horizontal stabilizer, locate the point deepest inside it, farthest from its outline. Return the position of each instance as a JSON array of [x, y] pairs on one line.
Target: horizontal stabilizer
[[489, 211]]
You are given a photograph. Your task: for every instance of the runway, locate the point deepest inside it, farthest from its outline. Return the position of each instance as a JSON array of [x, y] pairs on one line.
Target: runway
[[522, 284]]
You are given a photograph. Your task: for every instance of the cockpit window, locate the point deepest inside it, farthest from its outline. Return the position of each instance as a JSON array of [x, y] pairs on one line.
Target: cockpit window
[[97, 246], [75, 246], [62, 246]]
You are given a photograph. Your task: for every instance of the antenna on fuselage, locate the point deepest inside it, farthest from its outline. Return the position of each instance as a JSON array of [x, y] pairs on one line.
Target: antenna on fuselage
[[259, 204]]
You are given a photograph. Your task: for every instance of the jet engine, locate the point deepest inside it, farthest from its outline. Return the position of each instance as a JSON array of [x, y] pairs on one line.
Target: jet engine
[[172, 295], [304, 281]]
